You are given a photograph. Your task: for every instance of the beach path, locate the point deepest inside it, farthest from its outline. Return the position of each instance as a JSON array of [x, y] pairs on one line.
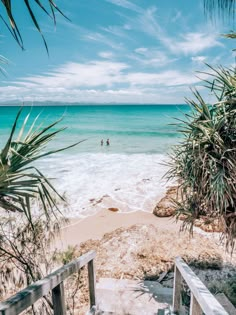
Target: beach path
[[94, 227]]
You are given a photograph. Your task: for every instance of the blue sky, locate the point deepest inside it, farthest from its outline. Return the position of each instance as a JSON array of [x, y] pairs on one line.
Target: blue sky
[[114, 51]]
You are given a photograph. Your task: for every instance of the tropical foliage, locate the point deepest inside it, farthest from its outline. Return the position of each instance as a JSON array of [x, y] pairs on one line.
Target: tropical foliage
[[19, 180], [205, 160], [222, 7], [49, 8], [29, 213]]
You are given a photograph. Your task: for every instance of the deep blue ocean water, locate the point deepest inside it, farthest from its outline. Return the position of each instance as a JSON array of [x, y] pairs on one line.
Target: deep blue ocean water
[[127, 175]]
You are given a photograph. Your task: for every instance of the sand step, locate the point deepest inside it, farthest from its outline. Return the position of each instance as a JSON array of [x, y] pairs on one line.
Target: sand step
[[131, 297]]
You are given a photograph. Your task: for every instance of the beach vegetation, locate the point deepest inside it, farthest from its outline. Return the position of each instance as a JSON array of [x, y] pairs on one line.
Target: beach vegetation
[[7, 16], [222, 9], [226, 286], [20, 181], [67, 255], [30, 217], [205, 160]]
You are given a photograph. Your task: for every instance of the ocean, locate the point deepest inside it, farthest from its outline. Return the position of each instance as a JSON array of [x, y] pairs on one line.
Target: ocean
[[127, 174]]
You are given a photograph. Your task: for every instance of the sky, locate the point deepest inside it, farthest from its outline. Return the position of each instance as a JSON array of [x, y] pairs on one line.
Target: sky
[[113, 51]]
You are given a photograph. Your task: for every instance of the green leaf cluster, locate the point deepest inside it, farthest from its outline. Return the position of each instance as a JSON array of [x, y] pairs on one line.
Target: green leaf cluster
[[20, 182], [205, 160], [224, 8], [49, 7]]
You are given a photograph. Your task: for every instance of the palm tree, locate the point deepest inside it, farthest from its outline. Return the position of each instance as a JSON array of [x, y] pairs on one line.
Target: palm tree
[[20, 181], [49, 8], [25, 235], [220, 6], [204, 162]]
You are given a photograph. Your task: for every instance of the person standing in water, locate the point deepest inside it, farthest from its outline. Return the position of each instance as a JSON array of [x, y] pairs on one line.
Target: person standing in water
[[108, 142], [102, 142]]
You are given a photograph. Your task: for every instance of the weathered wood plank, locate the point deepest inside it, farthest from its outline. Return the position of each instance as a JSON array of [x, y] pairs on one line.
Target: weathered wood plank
[[58, 299], [35, 291], [208, 303], [92, 283], [177, 291], [195, 308], [224, 301]]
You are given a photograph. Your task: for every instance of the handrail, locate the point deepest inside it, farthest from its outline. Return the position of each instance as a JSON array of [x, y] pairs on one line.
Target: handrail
[[53, 282], [202, 301]]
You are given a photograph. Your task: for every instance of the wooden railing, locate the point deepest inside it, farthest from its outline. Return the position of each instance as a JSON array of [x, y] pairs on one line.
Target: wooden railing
[[53, 282], [202, 301]]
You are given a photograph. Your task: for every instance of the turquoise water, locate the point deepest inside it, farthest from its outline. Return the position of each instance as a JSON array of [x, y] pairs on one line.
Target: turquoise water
[[127, 175], [131, 129]]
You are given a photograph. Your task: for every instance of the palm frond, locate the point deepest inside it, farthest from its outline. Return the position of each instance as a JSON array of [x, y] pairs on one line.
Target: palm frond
[[205, 160], [20, 181], [12, 25], [221, 7], [231, 35]]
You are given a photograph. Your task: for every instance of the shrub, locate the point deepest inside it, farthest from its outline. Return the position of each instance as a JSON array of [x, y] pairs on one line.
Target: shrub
[[205, 160]]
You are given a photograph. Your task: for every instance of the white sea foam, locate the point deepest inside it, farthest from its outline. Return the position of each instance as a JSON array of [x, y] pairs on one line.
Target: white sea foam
[[98, 181]]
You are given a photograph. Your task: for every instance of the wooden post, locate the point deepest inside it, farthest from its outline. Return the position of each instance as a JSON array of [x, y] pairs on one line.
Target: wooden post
[[177, 291], [195, 308], [92, 284], [58, 300]]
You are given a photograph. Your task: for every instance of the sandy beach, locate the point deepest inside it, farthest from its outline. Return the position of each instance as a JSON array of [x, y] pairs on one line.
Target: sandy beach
[[94, 227], [104, 222], [140, 245]]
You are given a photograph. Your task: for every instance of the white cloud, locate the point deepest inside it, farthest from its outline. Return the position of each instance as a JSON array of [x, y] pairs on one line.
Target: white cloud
[[127, 27], [116, 31], [106, 54], [184, 43], [193, 42], [199, 59], [177, 16], [147, 23], [126, 4], [92, 74], [151, 57], [104, 73], [166, 78], [98, 81], [141, 50], [132, 95], [98, 37]]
